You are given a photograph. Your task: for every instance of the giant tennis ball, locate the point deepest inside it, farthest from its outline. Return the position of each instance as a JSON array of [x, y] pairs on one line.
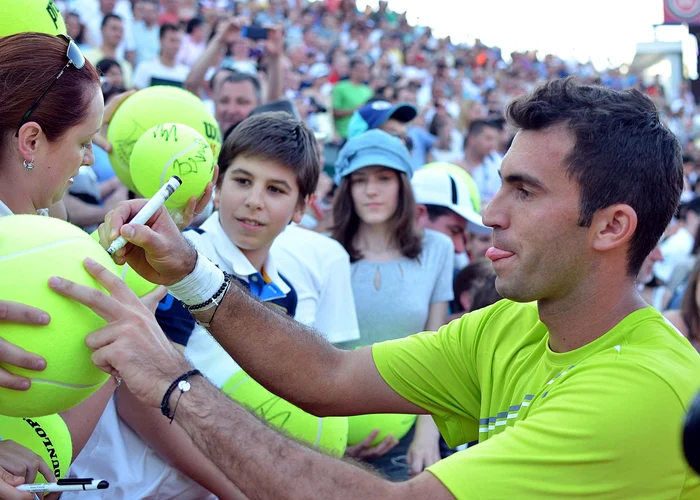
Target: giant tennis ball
[[140, 285], [32, 249], [150, 107], [46, 436], [172, 149], [30, 15], [458, 171], [361, 426], [328, 434]]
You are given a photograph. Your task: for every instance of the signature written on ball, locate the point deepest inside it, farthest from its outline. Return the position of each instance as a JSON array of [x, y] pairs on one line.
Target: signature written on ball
[[193, 160]]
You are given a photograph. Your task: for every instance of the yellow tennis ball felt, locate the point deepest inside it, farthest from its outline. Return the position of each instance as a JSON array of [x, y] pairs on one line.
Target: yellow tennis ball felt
[[328, 434], [150, 107], [172, 149], [30, 15], [32, 249], [141, 286], [361, 426], [46, 436]]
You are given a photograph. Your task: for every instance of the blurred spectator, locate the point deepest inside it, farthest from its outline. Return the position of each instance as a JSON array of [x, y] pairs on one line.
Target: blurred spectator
[[687, 318], [383, 115], [474, 288], [193, 43], [349, 95], [146, 31], [164, 69], [112, 34], [93, 13], [170, 12], [112, 71], [481, 159], [77, 30]]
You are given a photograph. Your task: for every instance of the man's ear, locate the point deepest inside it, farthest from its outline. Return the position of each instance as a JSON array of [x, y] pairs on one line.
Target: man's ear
[[421, 215], [613, 227]]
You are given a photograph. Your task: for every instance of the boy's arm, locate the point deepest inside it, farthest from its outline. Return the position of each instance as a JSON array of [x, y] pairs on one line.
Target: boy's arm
[[174, 446]]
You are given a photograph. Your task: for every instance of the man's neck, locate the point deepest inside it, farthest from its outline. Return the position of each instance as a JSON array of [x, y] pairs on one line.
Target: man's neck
[[167, 61], [109, 52], [586, 315], [472, 158]]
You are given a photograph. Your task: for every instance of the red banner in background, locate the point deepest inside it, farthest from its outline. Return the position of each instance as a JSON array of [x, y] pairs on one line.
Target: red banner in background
[[682, 12]]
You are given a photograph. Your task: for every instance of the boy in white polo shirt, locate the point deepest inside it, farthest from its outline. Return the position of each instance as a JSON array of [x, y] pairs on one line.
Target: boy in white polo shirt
[[269, 166]]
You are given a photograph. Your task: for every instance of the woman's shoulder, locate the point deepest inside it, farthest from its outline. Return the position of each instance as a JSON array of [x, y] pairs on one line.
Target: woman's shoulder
[[675, 317], [435, 242]]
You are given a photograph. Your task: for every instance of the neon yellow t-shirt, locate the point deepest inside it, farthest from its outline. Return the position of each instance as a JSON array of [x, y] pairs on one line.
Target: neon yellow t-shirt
[[603, 421]]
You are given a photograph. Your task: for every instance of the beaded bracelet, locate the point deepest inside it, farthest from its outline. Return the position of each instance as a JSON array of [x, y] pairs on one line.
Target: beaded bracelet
[[222, 289], [179, 383]]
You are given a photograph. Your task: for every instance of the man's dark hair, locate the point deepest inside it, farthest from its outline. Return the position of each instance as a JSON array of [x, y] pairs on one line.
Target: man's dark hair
[[276, 137], [478, 126], [622, 153], [107, 17], [193, 24], [435, 211], [357, 60], [165, 28], [237, 77]]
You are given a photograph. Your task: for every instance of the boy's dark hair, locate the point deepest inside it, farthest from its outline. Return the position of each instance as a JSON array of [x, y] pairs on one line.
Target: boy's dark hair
[[622, 153], [165, 28], [279, 137], [107, 17]]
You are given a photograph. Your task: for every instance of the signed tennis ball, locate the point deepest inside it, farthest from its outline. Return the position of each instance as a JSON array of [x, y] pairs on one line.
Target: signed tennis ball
[[32, 249], [30, 15], [150, 107], [46, 436], [172, 149], [328, 434], [361, 426], [140, 286]]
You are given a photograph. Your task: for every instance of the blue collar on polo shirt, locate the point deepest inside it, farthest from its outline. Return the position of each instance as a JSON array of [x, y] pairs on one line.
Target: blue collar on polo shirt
[[267, 285]]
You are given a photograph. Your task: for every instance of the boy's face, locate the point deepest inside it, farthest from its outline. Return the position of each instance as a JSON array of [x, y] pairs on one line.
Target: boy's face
[[256, 200]]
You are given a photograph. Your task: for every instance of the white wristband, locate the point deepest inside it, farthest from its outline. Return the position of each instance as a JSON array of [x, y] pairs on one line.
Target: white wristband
[[200, 285]]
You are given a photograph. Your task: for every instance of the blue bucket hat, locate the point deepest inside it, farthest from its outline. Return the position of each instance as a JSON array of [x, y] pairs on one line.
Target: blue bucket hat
[[374, 147], [375, 114]]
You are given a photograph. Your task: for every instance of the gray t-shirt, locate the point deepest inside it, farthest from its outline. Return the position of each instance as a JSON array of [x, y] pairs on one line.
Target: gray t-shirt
[[392, 298]]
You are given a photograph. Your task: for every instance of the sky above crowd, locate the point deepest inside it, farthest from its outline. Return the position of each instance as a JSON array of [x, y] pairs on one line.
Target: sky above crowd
[[579, 29]]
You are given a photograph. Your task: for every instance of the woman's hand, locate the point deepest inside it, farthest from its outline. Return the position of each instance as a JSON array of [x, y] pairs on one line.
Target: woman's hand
[[424, 450], [365, 450], [14, 312], [19, 465]]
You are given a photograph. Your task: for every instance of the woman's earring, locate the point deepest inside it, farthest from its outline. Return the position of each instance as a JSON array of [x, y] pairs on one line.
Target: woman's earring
[[29, 165]]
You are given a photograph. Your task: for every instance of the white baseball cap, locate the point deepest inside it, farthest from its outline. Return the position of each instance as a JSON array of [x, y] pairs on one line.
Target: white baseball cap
[[440, 188]]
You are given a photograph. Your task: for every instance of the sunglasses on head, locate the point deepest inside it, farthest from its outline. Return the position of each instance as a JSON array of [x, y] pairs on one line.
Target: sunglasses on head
[[75, 58]]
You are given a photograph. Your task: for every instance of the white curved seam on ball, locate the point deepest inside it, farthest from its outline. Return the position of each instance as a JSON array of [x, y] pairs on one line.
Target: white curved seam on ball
[[171, 160], [59, 384], [317, 442], [40, 249]]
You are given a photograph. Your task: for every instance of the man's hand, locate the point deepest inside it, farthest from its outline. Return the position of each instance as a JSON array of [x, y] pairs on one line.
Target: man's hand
[[111, 108], [365, 450], [157, 251], [8, 487], [132, 345], [13, 312], [229, 30], [274, 45]]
